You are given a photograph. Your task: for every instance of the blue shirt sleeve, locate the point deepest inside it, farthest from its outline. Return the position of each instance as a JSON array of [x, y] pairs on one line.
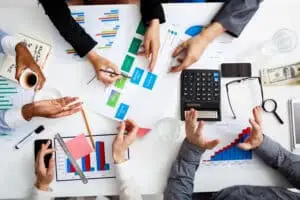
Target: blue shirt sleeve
[[2, 35], [4, 128]]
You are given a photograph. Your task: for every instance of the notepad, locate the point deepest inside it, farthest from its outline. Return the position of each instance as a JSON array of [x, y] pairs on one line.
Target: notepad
[[79, 146]]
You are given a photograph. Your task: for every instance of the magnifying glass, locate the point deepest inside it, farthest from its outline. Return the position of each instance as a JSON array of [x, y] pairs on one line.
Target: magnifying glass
[[270, 106]]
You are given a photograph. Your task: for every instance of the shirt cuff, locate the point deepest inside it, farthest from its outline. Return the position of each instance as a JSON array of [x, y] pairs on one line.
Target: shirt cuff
[[45, 195], [9, 44], [190, 152], [14, 118], [123, 171]]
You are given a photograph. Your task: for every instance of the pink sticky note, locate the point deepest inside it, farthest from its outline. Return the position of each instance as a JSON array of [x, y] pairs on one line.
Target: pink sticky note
[[79, 146], [143, 131]]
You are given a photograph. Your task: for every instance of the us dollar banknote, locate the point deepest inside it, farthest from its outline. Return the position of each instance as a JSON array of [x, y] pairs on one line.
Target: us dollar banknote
[[284, 75]]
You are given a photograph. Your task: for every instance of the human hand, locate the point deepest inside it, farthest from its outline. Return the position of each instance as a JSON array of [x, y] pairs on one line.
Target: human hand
[[101, 63], [194, 131], [256, 137], [44, 176], [151, 43], [122, 141], [25, 60], [55, 108], [194, 47]]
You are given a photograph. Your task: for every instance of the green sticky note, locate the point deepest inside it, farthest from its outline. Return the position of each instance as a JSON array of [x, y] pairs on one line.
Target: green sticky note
[[121, 83], [135, 46], [127, 64], [113, 98], [141, 29]]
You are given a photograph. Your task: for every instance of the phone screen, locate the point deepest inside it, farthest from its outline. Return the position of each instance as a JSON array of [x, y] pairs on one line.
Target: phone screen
[[296, 114], [37, 148]]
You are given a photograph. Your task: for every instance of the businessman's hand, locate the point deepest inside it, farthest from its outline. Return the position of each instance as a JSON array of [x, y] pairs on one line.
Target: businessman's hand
[[194, 131], [99, 63], [123, 140], [256, 138], [55, 108], [151, 43], [194, 47], [25, 60], [44, 176]]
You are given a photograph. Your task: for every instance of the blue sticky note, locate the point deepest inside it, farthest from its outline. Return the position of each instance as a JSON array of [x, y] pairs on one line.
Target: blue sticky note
[[122, 111], [150, 81], [137, 76]]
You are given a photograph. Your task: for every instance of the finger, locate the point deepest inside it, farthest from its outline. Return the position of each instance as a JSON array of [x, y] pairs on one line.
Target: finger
[[212, 144], [50, 170], [257, 115], [254, 125], [200, 128], [142, 53], [153, 58], [66, 113], [115, 78], [180, 60], [179, 49], [130, 125], [41, 164], [245, 146], [121, 130], [19, 70], [188, 60], [41, 81], [73, 106], [65, 100], [147, 48]]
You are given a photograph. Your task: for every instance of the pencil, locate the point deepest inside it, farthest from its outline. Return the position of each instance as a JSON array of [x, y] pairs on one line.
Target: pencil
[[88, 128]]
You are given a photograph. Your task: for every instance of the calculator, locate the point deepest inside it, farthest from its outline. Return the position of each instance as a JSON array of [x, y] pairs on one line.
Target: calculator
[[200, 89]]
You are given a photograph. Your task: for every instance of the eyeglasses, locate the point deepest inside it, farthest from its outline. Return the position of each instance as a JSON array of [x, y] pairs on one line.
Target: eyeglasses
[[242, 81]]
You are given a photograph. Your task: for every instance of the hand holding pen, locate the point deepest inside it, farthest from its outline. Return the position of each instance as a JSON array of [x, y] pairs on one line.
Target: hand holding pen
[[111, 73]]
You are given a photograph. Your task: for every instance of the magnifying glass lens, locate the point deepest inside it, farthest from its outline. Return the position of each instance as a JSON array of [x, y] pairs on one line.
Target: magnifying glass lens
[[269, 106]]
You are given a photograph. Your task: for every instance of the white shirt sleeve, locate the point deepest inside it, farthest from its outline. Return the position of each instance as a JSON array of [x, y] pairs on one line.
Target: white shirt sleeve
[[14, 118], [128, 188], [9, 44], [39, 195]]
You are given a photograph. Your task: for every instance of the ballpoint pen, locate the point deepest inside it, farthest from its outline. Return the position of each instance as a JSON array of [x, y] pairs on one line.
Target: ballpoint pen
[[111, 72]]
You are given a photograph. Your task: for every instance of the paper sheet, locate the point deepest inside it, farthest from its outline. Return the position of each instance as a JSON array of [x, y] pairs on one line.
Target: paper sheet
[[79, 146]]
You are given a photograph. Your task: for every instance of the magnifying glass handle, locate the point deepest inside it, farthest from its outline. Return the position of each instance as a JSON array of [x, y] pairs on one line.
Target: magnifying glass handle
[[278, 118]]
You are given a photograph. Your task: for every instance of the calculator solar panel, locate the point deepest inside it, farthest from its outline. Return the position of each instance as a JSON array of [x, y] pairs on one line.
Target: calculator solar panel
[[200, 89]]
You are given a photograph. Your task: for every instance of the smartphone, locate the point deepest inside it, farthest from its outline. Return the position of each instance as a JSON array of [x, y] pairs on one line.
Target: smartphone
[[295, 125], [236, 70], [37, 148]]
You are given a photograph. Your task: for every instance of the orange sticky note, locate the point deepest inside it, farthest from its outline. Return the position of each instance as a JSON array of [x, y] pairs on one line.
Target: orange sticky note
[[79, 147], [143, 131]]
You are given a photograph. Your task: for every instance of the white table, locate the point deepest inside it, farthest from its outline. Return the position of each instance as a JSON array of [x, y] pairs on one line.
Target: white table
[[151, 157]]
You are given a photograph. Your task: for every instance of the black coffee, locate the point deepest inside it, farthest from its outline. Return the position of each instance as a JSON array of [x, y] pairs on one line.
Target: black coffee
[[31, 80]]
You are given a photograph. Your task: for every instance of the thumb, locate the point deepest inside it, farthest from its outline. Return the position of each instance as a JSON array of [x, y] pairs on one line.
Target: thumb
[[19, 70], [245, 146], [121, 130], [212, 144]]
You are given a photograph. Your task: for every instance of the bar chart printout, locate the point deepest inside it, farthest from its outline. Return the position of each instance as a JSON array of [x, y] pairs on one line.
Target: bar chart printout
[[97, 165], [231, 153]]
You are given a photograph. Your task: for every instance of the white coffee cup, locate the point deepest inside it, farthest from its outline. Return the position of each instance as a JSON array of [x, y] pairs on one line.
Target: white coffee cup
[[28, 79]]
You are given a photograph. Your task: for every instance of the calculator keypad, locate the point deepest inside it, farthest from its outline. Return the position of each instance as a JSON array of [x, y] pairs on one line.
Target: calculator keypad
[[201, 86]]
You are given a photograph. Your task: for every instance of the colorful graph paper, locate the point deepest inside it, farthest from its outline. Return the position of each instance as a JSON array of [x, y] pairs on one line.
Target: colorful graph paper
[[96, 165], [79, 17], [110, 16], [232, 151]]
